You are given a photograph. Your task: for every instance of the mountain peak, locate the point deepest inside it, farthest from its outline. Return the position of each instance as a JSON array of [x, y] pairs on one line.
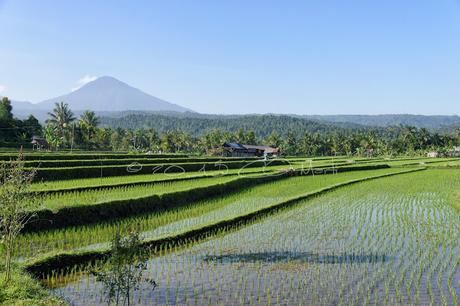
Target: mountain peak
[[106, 79], [107, 93]]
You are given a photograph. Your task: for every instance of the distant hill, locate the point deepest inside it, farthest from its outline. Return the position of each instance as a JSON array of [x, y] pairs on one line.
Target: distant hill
[[103, 94], [198, 124], [420, 121]]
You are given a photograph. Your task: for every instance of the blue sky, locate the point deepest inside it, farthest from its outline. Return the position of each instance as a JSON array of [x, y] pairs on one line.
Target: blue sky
[[303, 57]]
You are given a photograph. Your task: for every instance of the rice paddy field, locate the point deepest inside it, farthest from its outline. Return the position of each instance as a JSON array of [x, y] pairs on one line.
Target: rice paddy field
[[310, 231]]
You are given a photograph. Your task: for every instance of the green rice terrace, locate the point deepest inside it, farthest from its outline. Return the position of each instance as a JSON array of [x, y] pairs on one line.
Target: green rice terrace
[[246, 231]]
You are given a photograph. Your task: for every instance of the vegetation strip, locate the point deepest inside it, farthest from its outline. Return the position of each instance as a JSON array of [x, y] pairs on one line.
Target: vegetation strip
[[65, 260], [127, 161], [174, 177], [76, 156], [74, 215], [170, 179], [50, 174], [47, 219]]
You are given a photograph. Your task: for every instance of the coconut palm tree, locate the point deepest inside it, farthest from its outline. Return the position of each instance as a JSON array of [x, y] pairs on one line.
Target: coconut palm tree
[[61, 119], [88, 123]]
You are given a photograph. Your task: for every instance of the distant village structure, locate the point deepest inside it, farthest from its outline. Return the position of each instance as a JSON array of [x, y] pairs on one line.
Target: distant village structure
[[39, 143], [432, 154], [455, 152], [234, 149]]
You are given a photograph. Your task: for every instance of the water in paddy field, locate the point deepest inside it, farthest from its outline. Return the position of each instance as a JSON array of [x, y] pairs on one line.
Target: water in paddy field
[[388, 241]]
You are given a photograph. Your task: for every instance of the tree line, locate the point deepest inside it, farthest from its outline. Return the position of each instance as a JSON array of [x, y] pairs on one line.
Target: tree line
[[63, 130], [13, 130]]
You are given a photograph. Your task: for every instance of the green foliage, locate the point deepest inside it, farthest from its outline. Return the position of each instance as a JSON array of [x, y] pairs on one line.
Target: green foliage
[[61, 119], [123, 271], [16, 202], [23, 290], [202, 134], [14, 131], [6, 114]]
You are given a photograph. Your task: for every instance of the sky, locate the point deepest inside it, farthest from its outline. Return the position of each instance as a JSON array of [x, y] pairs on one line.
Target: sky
[[239, 56]]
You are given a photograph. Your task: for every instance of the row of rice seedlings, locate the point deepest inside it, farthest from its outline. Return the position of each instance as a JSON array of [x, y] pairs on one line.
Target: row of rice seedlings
[[165, 175], [425, 161], [141, 178], [450, 163], [50, 163], [393, 241], [189, 216], [92, 197]]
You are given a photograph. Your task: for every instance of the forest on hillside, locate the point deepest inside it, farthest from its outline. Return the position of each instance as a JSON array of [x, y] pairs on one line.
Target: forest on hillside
[[200, 134]]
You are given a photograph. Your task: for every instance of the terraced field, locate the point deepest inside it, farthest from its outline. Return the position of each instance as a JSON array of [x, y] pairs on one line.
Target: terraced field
[[331, 230], [197, 214], [388, 241]]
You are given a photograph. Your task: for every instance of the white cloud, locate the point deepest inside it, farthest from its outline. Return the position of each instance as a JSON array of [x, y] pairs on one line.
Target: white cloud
[[84, 80], [2, 88]]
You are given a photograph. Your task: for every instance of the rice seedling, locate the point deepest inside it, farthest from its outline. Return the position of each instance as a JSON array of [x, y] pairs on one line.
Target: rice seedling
[[393, 240], [94, 197], [114, 181], [193, 215]]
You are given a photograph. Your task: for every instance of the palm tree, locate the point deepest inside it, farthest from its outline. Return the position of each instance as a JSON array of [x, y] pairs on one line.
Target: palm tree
[[61, 118], [88, 123]]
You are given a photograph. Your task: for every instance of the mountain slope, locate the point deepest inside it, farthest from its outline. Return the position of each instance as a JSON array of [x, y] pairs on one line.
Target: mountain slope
[[198, 124], [109, 94], [420, 121]]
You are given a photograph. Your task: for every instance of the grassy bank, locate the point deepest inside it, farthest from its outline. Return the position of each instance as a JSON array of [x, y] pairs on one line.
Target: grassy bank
[[24, 290]]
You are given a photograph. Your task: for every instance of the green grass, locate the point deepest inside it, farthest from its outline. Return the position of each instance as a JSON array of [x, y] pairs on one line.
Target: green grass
[[23, 290]]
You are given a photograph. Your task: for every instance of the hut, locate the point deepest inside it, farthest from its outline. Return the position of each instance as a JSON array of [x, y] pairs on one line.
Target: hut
[[39, 143], [234, 149]]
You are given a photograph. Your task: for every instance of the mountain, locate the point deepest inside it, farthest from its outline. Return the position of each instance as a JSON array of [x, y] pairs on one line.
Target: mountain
[[107, 93], [101, 95]]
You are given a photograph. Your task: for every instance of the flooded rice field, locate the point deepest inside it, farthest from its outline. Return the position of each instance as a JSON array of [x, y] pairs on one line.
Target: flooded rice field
[[392, 240]]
